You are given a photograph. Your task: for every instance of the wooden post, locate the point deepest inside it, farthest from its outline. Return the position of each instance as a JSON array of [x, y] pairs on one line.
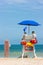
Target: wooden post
[[6, 48]]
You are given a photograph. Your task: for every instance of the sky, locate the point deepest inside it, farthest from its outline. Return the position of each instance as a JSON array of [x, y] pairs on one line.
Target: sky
[[14, 11]]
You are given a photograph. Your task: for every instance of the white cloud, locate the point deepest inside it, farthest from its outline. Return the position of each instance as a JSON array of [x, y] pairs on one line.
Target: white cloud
[[21, 1], [12, 1], [35, 4]]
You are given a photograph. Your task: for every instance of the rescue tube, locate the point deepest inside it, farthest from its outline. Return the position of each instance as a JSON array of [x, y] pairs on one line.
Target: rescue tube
[[33, 41], [23, 42], [29, 44]]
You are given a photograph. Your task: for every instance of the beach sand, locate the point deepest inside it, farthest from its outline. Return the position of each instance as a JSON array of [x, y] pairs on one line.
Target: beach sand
[[20, 61]]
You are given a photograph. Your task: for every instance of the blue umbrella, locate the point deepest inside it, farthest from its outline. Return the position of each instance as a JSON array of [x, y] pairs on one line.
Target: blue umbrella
[[29, 23]]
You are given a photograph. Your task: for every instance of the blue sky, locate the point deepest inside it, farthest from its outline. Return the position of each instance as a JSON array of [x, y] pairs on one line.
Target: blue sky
[[14, 11]]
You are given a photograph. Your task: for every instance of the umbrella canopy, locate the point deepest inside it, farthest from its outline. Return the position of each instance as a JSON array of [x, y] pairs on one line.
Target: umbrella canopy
[[29, 22]]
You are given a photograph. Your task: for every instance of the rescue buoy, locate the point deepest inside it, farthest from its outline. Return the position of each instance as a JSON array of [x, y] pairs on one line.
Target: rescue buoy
[[23, 42], [29, 44], [34, 41]]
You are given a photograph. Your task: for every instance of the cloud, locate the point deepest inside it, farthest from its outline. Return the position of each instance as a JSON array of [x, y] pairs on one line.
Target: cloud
[[39, 4], [12, 1], [22, 1], [35, 4], [40, 1]]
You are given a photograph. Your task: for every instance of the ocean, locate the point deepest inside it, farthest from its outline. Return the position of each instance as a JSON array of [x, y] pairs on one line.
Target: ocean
[[15, 51]]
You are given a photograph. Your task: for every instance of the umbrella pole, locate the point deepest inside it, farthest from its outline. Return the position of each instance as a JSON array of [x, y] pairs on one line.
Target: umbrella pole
[[34, 52], [28, 29], [23, 52]]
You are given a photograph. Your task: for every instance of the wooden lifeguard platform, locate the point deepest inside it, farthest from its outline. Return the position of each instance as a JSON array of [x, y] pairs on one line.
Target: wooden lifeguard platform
[[6, 48]]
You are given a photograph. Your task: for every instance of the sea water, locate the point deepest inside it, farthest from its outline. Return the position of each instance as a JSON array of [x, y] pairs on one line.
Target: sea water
[[15, 51]]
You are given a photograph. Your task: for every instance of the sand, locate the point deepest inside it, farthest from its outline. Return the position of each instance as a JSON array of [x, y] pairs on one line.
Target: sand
[[20, 61]]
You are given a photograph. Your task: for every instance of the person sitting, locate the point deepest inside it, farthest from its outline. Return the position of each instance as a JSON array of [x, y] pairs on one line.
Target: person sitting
[[34, 41]]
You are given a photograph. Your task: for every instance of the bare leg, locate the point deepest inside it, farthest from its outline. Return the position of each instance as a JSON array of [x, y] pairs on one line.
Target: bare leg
[[34, 53], [23, 52]]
